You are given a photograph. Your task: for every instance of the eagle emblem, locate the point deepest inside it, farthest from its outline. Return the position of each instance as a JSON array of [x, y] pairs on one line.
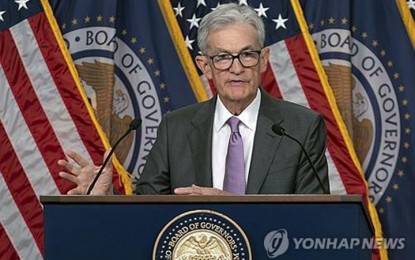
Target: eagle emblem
[[352, 107], [109, 103], [203, 244]]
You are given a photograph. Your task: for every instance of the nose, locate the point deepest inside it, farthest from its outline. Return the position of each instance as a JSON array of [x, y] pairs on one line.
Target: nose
[[236, 66]]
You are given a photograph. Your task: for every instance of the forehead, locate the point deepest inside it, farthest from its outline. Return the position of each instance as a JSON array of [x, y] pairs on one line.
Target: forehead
[[233, 38]]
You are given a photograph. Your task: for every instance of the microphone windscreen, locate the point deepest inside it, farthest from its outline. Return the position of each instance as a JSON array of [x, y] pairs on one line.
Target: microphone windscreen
[[135, 123], [278, 129]]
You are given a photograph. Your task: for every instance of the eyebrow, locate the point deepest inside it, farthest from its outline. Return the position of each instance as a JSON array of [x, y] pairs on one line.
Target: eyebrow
[[220, 50]]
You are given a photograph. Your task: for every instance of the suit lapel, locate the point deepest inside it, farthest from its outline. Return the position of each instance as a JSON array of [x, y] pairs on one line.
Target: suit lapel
[[265, 144], [200, 139]]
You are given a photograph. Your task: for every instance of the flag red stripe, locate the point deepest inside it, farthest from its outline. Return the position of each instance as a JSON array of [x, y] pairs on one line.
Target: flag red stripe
[[269, 83], [67, 86], [70, 94], [31, 108], [313, 90], [7, 251], [20, 188]]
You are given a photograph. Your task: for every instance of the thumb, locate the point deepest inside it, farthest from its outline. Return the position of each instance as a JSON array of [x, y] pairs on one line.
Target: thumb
[[107, 152]]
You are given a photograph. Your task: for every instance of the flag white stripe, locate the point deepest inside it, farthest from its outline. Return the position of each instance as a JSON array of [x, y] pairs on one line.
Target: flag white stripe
[[285, 74], [291, 90], [46, 90], [23, 143], [336, 183], [15, 226]]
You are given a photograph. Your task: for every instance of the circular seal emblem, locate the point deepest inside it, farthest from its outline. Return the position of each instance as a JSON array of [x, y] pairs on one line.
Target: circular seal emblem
[[202, 234], [122, 81], [366, 87]]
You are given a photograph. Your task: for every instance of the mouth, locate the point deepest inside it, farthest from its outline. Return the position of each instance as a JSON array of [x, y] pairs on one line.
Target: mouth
[[236, 82]]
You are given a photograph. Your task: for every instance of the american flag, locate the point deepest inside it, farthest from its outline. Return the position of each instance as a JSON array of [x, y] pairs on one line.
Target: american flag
[[43, 113], [295, 74]]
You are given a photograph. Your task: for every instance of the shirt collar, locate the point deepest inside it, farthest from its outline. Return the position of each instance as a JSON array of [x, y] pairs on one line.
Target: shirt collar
[[248, 116]]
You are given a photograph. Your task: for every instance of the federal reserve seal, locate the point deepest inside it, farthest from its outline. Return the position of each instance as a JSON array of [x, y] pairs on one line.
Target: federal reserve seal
[[368, 93], [202, 234], [122, 81]]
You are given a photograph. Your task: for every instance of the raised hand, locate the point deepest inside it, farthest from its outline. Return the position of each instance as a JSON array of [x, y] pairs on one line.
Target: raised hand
[[82, 174]]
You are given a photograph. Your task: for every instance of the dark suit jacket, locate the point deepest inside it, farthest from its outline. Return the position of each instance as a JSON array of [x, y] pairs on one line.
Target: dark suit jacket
[[181, 156]]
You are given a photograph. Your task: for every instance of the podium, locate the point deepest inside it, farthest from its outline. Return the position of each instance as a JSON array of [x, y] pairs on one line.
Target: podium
[[207, 227]]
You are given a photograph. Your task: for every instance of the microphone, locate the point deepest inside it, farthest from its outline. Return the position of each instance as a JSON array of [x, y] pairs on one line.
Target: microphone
[[279, 130], [134, 124]]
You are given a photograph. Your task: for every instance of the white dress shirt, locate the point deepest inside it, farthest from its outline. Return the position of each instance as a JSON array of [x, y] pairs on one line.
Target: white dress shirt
[[222, 132]]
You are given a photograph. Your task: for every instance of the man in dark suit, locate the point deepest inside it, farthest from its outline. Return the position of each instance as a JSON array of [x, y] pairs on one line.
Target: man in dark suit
[[189, 156]]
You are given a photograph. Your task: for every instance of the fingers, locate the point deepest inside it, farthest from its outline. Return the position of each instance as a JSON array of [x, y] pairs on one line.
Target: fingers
[[69, 167], [108, 166], [81, 161], [192, 190], [68, 177], [80, 172], [106, 154], [184, 191], [74, 192], [196, 190]]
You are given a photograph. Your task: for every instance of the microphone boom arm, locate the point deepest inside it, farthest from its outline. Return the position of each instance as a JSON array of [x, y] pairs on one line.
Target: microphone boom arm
[[133, 126], [309, 161], [279, 130]]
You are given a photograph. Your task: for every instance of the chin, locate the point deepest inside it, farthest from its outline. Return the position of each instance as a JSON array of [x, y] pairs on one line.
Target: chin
[[238, 93], [239, 97]]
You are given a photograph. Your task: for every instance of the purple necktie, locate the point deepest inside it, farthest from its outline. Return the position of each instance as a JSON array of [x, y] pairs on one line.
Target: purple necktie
[[234, 180]]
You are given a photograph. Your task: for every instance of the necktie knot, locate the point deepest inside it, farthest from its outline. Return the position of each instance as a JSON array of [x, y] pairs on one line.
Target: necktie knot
[[234, 122]]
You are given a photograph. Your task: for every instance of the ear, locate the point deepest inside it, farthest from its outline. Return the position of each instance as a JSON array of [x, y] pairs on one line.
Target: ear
[[203, 64], [264, 59]]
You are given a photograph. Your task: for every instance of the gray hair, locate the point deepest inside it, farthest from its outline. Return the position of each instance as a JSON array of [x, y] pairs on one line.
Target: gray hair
[[227, 14]]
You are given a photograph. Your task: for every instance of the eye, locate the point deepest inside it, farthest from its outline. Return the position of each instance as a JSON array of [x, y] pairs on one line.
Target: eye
[[222, 57], [248, 55]]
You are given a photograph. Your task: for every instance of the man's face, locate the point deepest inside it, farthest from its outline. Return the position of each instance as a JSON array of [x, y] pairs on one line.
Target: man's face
[[238, 84]]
